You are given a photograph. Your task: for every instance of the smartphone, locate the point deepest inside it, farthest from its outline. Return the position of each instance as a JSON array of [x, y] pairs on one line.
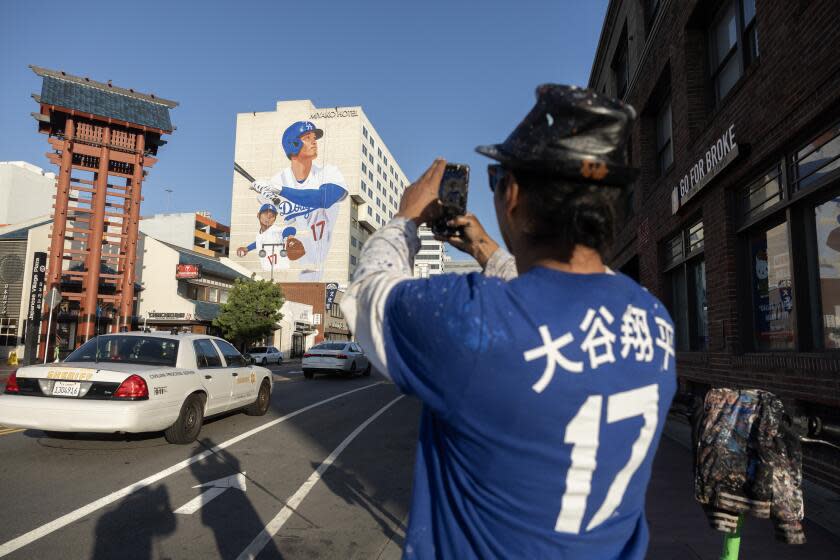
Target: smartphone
[[453, 196]]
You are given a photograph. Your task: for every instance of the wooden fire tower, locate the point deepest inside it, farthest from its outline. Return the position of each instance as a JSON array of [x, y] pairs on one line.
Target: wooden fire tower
[[103, 137]]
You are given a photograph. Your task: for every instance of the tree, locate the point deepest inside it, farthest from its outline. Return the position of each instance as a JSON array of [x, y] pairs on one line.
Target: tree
[[251, 313]]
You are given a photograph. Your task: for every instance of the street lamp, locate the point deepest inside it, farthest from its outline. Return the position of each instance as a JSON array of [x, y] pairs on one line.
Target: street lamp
[[281, 253]]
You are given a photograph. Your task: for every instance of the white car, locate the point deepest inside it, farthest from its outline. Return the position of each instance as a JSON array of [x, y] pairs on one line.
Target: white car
[[264, 355], [335, 357], [137, 382]]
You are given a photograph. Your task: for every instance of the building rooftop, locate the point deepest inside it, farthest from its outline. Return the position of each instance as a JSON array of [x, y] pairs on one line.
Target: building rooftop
[[104, 100]]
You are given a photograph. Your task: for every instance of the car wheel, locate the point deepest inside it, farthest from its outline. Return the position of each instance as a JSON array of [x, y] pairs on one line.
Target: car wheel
[[353, 370], [188, 425], [366, 373], [308, 374], [264, 361], [260, 406]]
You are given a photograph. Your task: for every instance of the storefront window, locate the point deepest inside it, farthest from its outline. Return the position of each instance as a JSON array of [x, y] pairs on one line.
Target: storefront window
[[686, 271], [772, 292], [762, 193], [819, 158], [827, 219]]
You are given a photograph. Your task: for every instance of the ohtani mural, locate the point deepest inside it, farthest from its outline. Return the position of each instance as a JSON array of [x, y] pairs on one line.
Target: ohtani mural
[[298, 207]]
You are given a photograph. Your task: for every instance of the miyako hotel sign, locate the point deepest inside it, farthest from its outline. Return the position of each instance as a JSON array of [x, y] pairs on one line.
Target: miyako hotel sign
[[718, 155]]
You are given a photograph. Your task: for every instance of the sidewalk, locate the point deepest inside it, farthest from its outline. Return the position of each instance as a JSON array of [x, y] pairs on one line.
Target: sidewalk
[[678, 527]]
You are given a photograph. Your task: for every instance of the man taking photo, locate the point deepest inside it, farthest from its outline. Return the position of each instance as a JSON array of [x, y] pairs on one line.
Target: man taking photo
[[545, 381]]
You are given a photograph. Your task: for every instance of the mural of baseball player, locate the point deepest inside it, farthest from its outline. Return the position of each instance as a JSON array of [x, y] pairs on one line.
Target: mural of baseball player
[[271, 239], [305, 197]]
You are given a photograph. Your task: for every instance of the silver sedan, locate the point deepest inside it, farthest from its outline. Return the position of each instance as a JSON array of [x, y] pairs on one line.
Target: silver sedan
[[346, 358]]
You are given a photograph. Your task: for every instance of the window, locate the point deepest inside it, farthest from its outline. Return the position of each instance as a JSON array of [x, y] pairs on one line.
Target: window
[[818, 159], [206, 355], [353, 241], [8, 332], [685, 269], [370, 175], [664, 145], [827, 220], [364, 132], [370, 159], [385, 158], [352, 260], [370, 211], [150, 350], [379, 152], [620, 67], [378, 186], [771, 288], [364, 168], [762, 193], [427, 257], [232, 356], [364, 149], [372, 143], [364, 187], [730, 32]]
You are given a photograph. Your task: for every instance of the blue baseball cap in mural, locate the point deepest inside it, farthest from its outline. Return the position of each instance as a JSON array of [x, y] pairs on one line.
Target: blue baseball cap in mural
[[291, 137], [268, 208]]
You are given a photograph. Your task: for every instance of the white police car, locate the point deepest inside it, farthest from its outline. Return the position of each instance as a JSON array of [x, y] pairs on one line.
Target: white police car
[[137, 382]]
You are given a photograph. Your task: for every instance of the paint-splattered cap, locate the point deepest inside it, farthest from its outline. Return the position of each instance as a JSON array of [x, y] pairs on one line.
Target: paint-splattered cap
[[574, 133]]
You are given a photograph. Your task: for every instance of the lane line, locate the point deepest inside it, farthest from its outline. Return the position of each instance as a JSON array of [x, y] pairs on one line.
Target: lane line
[[44, 530], [270, 530], [8, 431]]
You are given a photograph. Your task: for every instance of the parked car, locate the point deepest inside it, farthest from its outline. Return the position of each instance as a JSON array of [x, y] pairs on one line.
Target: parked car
[[137, 382], [264, 355], [335, 357]]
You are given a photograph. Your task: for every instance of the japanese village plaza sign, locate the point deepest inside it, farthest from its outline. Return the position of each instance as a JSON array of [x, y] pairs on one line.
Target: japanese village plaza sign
[[718, 155]]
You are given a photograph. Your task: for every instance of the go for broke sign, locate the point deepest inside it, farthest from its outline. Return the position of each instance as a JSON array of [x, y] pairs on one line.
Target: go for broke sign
[[719, 154]]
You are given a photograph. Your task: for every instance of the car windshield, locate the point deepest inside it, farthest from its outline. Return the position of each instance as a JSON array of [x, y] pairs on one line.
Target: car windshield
[[330, 346], [130, 349], [257, 350]]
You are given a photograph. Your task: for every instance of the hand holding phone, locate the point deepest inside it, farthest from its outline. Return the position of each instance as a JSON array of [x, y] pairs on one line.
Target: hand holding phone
[[452, 194]]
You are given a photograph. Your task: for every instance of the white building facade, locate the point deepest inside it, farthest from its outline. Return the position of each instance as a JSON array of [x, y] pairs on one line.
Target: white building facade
[[353, 189], [431, 257], [26, 192]]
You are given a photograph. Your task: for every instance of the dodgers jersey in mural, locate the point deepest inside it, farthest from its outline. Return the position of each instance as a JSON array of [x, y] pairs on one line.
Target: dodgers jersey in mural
[[308, 211]]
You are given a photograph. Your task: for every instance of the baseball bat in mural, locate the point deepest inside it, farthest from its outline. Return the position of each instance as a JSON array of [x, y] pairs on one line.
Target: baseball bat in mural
[[297, 207]]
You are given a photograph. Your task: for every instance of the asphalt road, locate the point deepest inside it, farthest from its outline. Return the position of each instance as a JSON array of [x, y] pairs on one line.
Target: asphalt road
[[109, 496]]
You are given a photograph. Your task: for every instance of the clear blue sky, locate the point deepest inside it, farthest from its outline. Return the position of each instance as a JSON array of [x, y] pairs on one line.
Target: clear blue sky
[[435, 77]]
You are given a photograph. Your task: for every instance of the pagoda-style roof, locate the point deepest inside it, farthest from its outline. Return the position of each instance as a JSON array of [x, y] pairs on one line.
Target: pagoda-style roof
[[104, 100]]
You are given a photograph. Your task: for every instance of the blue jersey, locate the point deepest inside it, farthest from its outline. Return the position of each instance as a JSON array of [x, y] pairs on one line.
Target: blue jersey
[[544, 400]]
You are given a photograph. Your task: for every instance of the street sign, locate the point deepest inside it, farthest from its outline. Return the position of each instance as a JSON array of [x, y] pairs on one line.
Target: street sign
[[217, 488], [53, 298]]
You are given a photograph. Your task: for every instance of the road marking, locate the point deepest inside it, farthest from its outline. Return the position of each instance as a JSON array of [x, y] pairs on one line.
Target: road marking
[[297, 371], [44, 530], [217, 488], [263, 538], [6, 431]]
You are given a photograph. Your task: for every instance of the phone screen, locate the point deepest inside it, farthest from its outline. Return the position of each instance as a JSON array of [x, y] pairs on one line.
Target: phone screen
[[453, 196]]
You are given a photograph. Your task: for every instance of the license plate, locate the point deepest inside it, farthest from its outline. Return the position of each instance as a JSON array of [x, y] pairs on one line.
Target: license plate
[[66, 389]]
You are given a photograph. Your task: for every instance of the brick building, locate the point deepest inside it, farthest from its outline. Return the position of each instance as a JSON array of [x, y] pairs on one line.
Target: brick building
[[329, 324], [734, 221]]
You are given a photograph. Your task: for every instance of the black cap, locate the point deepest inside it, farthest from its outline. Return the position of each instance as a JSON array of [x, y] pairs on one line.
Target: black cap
[[573, 133]]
